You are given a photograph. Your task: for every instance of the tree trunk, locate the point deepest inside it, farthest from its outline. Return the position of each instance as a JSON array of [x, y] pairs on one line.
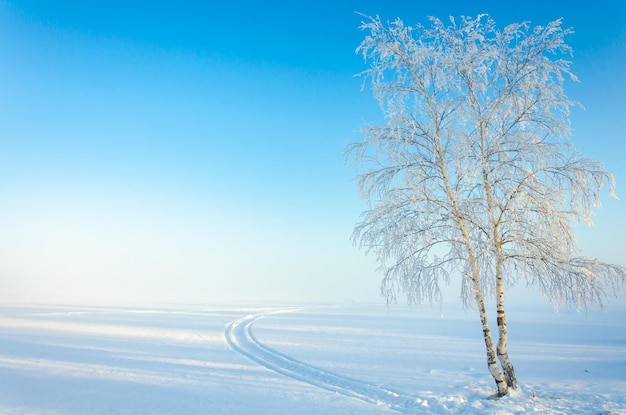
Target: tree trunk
[[492, 364], [503, 335]]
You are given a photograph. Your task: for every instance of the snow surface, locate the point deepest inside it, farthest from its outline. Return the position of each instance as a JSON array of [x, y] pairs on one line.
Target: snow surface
[[303, 359]]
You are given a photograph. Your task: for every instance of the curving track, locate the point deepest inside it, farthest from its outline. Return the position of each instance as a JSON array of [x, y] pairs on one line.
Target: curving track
[[240, 337]]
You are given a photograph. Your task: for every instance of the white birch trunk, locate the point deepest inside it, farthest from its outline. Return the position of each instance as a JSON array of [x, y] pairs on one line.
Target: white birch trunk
[[492, 364], [503, 335]]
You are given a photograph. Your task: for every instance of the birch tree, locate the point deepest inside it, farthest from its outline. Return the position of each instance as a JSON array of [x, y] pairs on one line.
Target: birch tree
[[472, 174]]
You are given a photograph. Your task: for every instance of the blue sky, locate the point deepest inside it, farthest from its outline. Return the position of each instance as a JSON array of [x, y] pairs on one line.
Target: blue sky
[[193, 151]]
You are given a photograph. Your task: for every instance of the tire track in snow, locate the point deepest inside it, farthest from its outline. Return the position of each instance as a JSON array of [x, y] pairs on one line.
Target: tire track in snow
[[240, 337]]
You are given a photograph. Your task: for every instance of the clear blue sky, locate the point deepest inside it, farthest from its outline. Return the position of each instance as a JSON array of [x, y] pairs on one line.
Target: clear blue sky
[[193, 151]]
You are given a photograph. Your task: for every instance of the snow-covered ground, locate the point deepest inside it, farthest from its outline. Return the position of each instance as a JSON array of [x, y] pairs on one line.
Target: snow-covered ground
[[302, 359]]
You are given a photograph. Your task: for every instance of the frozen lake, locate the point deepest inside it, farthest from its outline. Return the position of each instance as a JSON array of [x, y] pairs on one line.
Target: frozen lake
[[301, 359]]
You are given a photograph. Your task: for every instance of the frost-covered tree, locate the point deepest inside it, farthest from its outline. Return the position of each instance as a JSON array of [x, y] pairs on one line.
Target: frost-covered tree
[[472, 174]]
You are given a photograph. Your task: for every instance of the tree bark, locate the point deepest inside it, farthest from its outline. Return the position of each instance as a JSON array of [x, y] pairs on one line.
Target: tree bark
[[503, 335], [492, 364]]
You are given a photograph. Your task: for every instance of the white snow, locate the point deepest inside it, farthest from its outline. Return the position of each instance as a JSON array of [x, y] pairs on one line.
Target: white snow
[[302, 359]]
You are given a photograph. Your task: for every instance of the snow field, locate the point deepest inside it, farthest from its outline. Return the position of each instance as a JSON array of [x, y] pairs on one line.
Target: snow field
[[311, 359]]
